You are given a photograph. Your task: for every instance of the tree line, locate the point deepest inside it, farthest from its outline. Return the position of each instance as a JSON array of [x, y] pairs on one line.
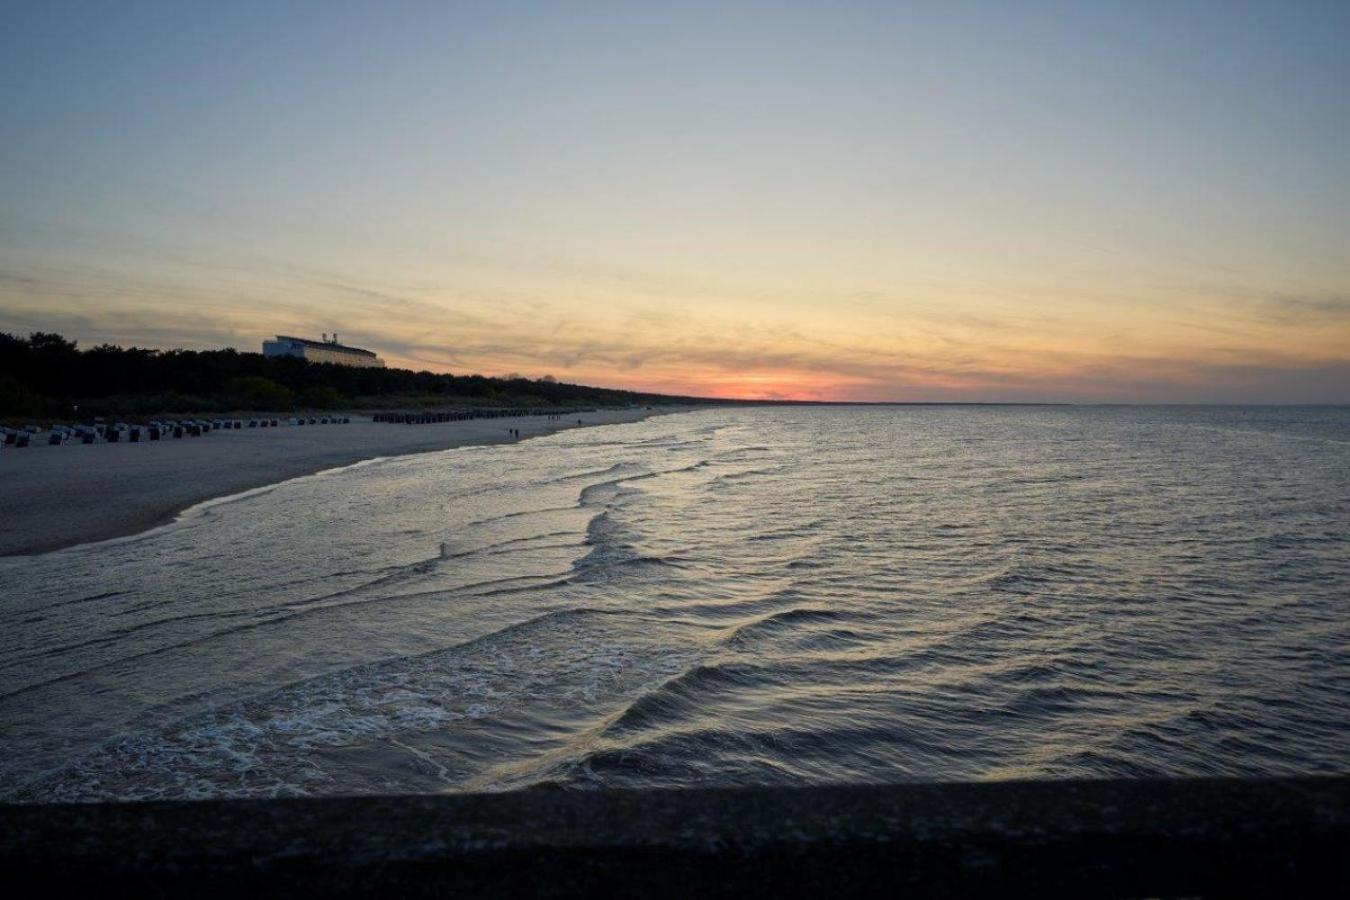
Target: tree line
[[45, 374]]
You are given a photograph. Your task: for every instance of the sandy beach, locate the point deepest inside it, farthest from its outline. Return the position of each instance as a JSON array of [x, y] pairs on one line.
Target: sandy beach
[[56, 497]]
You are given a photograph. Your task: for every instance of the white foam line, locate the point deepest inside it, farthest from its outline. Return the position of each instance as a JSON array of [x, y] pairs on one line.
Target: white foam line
[[201, 510]]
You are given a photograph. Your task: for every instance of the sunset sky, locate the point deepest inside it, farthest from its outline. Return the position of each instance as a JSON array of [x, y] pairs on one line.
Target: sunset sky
[[1135, 201]]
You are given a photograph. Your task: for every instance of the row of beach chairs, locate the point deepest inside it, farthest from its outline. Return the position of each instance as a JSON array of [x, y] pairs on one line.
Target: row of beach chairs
[[158, 429]]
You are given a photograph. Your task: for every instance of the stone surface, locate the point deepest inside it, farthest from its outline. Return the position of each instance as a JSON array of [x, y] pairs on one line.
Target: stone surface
[[1096, 838]]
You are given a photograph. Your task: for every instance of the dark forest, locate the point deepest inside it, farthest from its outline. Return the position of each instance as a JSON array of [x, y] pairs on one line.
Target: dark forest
[[46, 375]]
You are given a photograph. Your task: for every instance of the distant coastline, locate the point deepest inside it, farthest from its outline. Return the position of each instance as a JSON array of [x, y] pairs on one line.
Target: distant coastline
[[47, 378]]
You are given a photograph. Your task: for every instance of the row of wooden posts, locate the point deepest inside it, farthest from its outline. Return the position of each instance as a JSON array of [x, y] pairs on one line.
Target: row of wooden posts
[[429, 417]]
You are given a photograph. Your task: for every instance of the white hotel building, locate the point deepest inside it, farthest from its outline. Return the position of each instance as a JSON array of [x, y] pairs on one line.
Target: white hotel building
[[324, 351]]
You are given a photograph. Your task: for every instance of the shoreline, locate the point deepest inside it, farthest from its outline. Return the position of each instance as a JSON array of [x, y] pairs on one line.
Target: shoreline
[[60, 498]]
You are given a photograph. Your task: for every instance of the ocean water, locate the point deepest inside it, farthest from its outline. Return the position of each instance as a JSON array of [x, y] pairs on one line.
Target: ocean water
[[724, 597]]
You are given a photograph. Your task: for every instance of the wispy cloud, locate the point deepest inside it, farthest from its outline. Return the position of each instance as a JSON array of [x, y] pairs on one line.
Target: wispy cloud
[[1286, 309], [880, 346]]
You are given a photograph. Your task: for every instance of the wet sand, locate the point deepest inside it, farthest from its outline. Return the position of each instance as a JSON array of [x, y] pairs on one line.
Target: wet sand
[[54, 497]]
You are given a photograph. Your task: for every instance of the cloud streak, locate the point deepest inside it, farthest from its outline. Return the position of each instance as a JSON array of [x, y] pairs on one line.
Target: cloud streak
[[1220, 344]]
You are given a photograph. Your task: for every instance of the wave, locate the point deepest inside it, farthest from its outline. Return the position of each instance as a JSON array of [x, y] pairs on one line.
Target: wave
[[295, 740], [684, 696], [273, 616], [776, 623], [805, 596]]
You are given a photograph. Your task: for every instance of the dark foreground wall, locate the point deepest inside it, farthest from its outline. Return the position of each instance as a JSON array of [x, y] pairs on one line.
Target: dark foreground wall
[[1276, 838]]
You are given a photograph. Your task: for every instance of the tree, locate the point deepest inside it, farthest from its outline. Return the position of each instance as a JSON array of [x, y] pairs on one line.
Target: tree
[[45, 375], [17, 400], [320, 397], [49, 342], [256, 392]]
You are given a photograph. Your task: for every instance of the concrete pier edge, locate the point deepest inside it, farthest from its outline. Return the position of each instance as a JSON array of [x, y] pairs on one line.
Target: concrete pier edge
[[1120, 838]]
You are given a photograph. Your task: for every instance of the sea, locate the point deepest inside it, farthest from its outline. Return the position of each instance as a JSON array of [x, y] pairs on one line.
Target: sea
[[782, 595]]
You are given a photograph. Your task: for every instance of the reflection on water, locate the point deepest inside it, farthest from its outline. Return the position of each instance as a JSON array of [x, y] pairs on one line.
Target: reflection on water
[[787, 595]]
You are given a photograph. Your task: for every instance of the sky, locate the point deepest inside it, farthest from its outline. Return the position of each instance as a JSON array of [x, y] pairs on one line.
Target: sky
[[1121, 202]]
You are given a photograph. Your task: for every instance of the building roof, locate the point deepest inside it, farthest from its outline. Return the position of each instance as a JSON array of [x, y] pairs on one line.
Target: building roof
[[324, 345]]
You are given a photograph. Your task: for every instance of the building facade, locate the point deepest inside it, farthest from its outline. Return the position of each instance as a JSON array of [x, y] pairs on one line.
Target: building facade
[[324, 351]]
